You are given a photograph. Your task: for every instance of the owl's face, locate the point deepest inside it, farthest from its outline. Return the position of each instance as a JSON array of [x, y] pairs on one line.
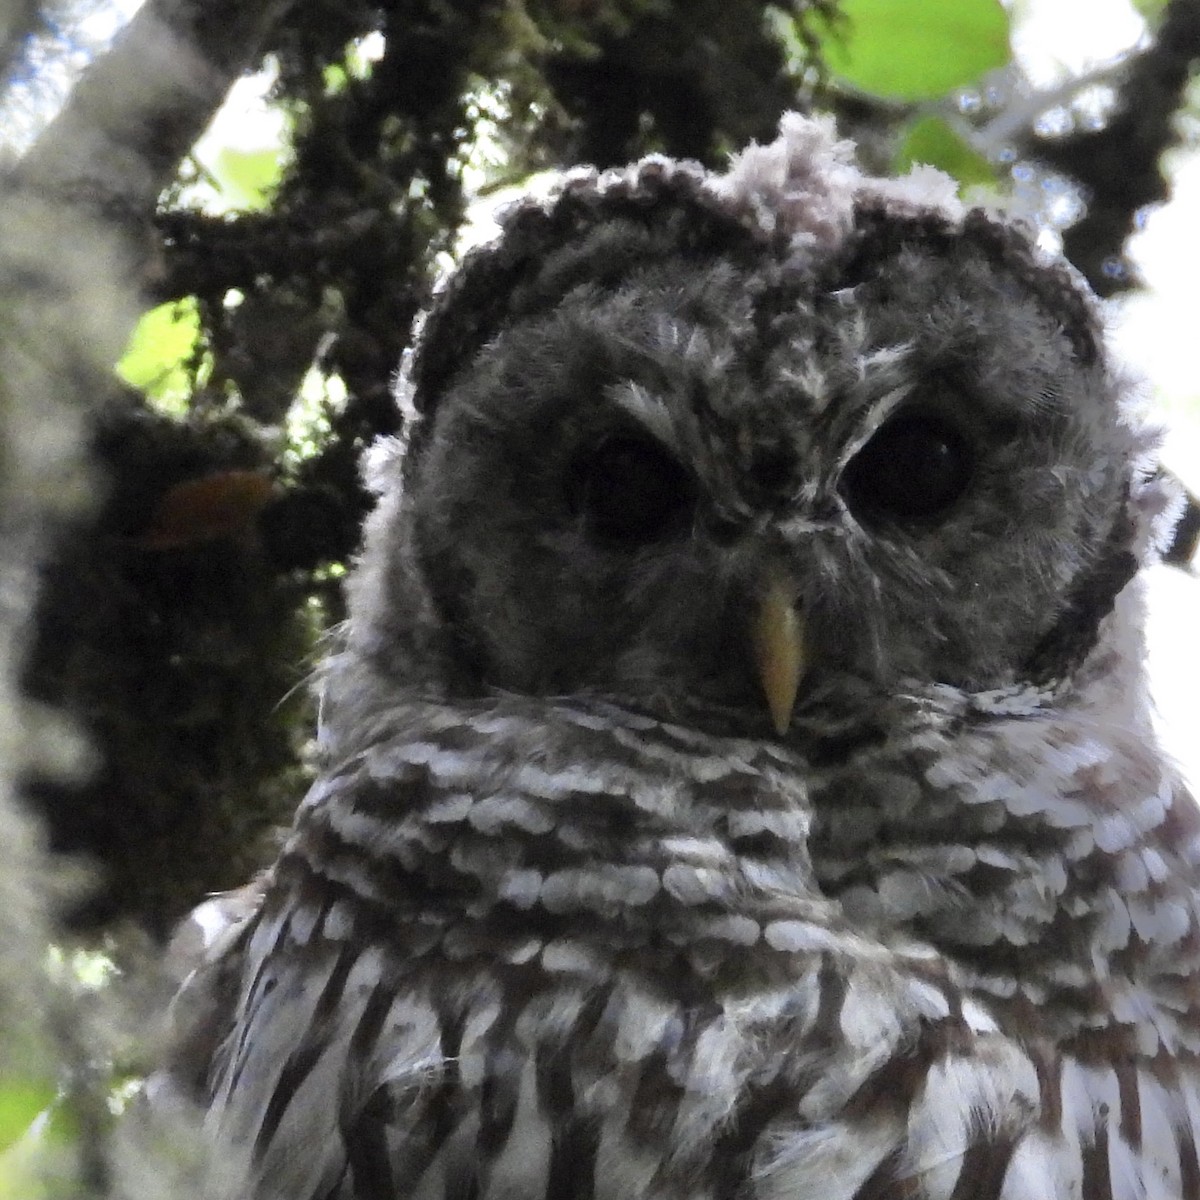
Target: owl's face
[[662, 469]]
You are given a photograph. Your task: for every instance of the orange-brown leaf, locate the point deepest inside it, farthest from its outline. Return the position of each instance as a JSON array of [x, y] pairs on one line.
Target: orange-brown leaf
[[222, 504]]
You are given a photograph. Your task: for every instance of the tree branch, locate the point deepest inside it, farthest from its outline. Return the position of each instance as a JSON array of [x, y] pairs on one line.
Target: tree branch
[[139, 108], [1119, 165], [18, 21]]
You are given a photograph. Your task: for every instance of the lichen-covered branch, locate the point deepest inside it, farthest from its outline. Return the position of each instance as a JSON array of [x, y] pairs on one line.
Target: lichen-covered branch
[[140, 107]]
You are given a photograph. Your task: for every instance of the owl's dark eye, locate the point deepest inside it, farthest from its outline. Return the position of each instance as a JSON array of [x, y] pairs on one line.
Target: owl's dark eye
[[630, 491], [914, 468]]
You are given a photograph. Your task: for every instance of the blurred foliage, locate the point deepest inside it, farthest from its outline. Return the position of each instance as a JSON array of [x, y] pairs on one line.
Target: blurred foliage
[[917, 49], [933, 141], [248, 178], [161, 358], [180, 642], [22, 1101]]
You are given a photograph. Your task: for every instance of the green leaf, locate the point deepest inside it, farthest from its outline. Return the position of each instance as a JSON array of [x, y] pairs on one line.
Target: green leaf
[[916, 49], [22, 1101], [335, 78], [62, 1124], [1150, 9], [930, 140], [247, 179], [164, 342], [19, 1179]]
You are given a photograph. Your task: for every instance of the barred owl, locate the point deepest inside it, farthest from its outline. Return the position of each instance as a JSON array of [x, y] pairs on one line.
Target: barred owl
[[740, 782]]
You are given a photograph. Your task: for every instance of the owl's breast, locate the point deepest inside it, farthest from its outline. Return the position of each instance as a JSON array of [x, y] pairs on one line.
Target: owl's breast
[[461, 1074], [588, 955]]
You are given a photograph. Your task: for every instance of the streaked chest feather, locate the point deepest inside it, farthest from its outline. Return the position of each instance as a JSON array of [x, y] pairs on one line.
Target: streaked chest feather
[[535, 981]]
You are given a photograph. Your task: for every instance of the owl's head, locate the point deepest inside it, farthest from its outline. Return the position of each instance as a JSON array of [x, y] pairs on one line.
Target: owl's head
[[730, 446]]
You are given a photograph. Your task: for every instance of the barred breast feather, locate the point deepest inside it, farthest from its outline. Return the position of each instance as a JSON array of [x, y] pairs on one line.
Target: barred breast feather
[[478, 970]]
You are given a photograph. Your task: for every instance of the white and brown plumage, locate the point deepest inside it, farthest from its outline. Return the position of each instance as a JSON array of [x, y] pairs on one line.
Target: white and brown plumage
[[578, 911]]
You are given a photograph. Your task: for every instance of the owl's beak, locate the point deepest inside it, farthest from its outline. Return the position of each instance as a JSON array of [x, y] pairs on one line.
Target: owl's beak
[[779, 651]]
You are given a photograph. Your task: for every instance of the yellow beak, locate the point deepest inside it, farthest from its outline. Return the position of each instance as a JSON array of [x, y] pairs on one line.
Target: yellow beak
[[778, 634]]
